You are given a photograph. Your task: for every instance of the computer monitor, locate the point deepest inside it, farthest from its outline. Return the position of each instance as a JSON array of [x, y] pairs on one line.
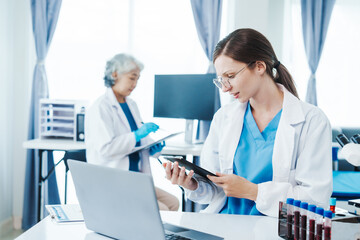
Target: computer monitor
[[187, 96]]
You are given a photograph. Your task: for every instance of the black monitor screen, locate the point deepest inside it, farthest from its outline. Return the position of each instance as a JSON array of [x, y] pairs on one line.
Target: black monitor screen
[[188, 96]]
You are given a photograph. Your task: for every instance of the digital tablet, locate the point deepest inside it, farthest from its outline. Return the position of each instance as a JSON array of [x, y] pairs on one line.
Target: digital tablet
[[156, 138], [190, 166]]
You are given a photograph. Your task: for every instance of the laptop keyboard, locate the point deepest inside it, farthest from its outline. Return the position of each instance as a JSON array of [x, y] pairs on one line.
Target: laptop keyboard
[[170, 236]]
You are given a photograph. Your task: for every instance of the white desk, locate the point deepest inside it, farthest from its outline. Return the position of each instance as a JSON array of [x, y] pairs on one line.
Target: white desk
[[175, 146], [194, 150], [54, 144], [227, 226], [178, 146]]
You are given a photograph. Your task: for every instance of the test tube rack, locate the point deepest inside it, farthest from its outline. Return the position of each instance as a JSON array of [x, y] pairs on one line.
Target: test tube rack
[[344, 226]]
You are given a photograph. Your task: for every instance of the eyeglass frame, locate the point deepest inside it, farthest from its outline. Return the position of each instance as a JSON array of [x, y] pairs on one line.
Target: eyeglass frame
[[219, 80]]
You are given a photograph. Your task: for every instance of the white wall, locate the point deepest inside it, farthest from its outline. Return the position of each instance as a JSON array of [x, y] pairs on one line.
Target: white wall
[[265, 16], [5, 153], [24, 55], [16, 61]]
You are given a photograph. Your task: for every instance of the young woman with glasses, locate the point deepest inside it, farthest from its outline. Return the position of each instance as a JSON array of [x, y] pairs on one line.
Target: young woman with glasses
[[264, 147]]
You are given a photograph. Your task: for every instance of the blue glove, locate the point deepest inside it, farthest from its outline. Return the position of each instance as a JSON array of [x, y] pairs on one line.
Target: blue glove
[[156, 148], [144, 130]]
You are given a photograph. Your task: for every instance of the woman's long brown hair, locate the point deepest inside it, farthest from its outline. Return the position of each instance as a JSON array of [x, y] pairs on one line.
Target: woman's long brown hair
[[248, 45]]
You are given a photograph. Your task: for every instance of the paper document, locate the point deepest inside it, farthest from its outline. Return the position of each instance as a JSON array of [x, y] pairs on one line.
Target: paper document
[[65, 213], [156, 137]]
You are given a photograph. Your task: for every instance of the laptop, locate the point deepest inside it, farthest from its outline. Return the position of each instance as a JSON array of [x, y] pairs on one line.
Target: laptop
[[122, 204]]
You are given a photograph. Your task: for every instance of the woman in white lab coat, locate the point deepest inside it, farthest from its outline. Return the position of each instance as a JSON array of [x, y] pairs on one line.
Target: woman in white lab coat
[[267, 145], [113, 125]]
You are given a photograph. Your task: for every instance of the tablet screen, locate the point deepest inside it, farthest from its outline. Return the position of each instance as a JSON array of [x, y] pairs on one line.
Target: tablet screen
[[156, 138], [190, 166]]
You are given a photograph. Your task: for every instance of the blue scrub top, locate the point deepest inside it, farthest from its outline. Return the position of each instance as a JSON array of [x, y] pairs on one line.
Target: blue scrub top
[[252, 160], [134, 158]]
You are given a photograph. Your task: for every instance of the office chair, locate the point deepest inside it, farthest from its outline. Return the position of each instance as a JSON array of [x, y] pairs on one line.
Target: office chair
[[78, 155]]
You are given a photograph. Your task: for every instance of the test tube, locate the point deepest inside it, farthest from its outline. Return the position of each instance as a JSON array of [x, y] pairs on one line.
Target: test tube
[[297, 219], [319, 222], [303, 213], [327, 225], [332, 204], [290, 216], [311, 216]]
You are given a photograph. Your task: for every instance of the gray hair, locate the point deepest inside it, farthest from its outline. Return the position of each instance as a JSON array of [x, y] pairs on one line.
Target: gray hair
[[120, 63]]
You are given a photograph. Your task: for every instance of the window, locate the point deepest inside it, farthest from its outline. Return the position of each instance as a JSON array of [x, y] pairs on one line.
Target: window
[[337, 75], [159, 33]]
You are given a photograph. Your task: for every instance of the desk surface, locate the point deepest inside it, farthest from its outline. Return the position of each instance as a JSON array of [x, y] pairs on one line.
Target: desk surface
[[227, 226], [177, 147], [194, 150], [54, 144]]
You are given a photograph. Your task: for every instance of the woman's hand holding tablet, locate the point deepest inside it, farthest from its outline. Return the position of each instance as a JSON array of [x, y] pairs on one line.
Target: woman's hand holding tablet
[[178, 176], [190, 166]]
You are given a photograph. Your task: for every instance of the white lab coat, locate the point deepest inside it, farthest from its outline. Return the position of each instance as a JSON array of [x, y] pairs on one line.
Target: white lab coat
[[109, 139], [301, 162]]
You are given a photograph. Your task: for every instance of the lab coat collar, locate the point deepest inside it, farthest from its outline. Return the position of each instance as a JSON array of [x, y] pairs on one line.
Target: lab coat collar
[[110, 95], [236, 120], [292, 115], [292, 110]]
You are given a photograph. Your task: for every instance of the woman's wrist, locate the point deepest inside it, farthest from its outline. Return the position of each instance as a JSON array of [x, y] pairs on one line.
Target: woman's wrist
[[253, 191], [193, 185]]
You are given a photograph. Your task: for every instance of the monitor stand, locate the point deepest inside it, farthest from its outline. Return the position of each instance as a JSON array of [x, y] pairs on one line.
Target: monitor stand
[[189, 128], [189, 132]]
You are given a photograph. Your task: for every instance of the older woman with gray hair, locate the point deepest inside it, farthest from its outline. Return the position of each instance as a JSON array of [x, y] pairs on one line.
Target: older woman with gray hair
[[114, 127]]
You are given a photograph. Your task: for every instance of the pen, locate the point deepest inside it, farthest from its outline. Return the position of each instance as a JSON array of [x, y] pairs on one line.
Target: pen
[[159, 161]]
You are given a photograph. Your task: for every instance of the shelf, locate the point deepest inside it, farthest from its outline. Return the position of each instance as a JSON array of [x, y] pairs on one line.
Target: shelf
[[57, 134], [55, 124], [58, 109], [58, 117]]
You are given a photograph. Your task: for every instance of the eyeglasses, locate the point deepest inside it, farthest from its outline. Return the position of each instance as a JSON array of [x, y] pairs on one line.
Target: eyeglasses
[[221, 82]]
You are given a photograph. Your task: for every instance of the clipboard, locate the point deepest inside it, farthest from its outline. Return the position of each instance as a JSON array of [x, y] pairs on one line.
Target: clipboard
[[190, 166], [157, 138]]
